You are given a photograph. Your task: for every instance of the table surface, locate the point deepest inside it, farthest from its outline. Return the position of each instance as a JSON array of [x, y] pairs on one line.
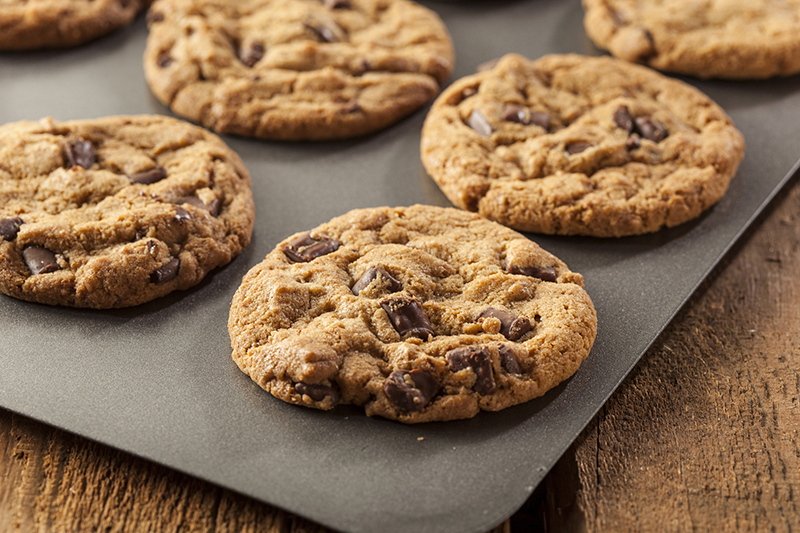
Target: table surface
[[703, 434]]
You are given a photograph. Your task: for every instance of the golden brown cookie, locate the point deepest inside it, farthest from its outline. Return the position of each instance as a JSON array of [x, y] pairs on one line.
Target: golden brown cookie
[[417, 314], [570, 144], [709, 39], [117, 211], [30, 24], [295, 69]]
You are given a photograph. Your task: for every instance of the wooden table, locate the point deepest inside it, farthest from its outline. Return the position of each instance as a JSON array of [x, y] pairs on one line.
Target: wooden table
[[703, 434]]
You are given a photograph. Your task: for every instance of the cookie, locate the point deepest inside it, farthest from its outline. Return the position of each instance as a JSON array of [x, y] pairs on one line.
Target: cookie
[[570, 144], [720, 39], [31, 24], [114, 212], [295, 69], [417, 314]]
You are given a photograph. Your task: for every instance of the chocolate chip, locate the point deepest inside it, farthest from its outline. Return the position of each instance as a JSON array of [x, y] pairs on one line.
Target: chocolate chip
[[540, 119], [351, 107], [408, 317], [80, 153], [478, 122], [181, 215], [154, 16], [370, 275], [306, 248], [509, 360], [40, 260], [9, 227], [516, 113], [410, 390], [650, 129], [317, 392], [164, 60], [338, 4], [147, 177], [212, 208], [544, 274], [167, 272], [511, 326], [578, 147], [633, 142], [623, 118], [325, 31], [252, 54], [479, 360]]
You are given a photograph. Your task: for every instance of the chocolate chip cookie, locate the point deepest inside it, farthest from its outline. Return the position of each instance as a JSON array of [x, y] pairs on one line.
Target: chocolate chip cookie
[[721, 39], [295, 69], [417, 314], [116, 211], [570, 144], [30, 24]]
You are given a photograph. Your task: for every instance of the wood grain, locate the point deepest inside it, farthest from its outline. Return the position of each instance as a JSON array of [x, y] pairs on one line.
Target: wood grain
[[703, 435]]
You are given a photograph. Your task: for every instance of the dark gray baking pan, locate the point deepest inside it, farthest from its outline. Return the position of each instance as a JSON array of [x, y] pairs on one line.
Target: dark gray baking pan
[[157, 380]]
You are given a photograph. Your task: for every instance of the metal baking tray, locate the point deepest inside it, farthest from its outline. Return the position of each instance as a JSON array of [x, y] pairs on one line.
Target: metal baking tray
[[157, 380]]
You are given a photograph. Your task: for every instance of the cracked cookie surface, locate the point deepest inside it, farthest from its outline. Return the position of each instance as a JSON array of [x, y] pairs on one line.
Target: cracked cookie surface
[[114, 212], [708, 38], [570, 144], [295, 69], [31, 24], [415, 313]]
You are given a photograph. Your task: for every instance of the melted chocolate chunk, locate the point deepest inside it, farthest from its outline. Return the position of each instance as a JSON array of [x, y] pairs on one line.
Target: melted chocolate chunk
[[370, 275], [181, 215], [306, 248], [410, 390], [317, 392], [540, 119], [325, 31], [633, 142], [9, 227], [650, 129], [164, 60], [509, 360], [478, 122], [167, 272], [252, 55], [511, 326], [147, 177], [623, 119], [40, 260], [479, 360], [408, 317], [578, 147], [212, 208], [80, 153], [544, 274]]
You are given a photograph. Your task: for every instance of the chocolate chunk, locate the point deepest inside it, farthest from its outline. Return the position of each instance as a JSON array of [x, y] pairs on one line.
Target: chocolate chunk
[[540, 119], [479, 360], [544, 274], [306, 248], [351, 107], [578, 147], [252, 54], [410, 390], [164, 60], [623, 118], [338, 4], [212, 208], [9, 227], [370, 275], [80, 153], [478, 122], [633, 142], [40, 260], [650, 129], [516, 113], [167, 272], [181, 215], [509, 360], [154, 16], [328, 32], [147, 177], [317, 392], [511, 326], [408, 317]]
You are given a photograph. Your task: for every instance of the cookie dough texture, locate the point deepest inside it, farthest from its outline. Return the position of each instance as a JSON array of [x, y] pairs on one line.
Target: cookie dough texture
[[31, 24], [114, 212], [570, 144], [705, 38], [412, 313], [295, 69]]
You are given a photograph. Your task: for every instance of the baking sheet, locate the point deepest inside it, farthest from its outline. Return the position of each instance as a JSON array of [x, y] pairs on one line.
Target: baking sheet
[[157, 380]]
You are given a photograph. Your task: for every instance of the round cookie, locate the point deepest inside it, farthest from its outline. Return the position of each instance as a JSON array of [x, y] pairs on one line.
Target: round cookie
[[720, 39], [570, 144], [31, 24], [295, 69], [417, 314], [114, 212]]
